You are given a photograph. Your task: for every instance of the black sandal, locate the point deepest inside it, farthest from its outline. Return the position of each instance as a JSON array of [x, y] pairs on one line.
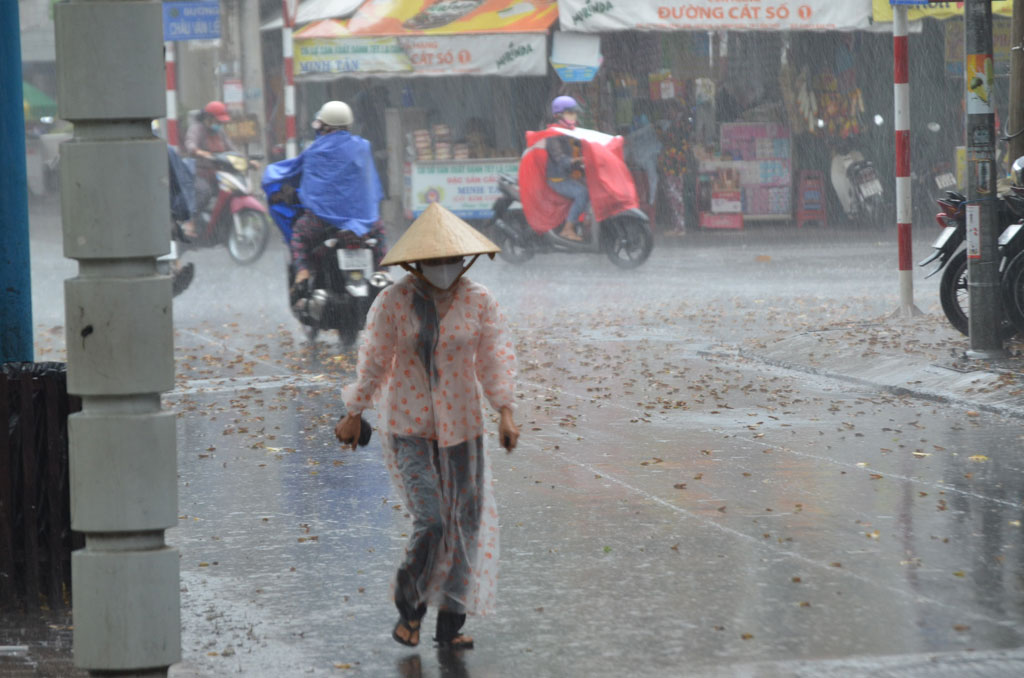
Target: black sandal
[[459, 642], [411, 631]]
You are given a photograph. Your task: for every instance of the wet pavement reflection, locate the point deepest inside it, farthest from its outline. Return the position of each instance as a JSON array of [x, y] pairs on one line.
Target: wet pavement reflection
[[674, 508]]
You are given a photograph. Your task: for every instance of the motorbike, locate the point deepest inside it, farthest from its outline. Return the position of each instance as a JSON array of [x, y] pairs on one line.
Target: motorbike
[[625, 238], [932, 175], [953, 259], [236, 219], [858, 187], [342, 288], [527, 211], [344, 280]]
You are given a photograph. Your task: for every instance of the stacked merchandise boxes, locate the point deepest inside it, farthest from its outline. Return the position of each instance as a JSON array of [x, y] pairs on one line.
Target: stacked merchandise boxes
[[763, 153]]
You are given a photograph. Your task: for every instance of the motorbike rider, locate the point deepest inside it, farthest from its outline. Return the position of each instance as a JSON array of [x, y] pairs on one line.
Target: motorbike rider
[[565, 164], [339, 189], [204, 139]]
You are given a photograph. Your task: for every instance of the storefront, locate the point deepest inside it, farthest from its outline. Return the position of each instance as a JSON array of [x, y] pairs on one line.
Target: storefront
[[715, 97], [412, 72]]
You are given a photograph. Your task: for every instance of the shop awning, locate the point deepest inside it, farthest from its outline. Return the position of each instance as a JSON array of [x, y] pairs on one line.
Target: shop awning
[[596, 16], [37, 104], [317, 10], [882, 10], [427, 38]]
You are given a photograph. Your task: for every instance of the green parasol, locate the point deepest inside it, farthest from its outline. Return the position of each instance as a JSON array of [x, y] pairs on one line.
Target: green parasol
[[37, 103]]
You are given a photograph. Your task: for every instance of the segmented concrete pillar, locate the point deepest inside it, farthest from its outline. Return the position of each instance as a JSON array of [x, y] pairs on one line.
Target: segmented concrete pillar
[[115, 208]]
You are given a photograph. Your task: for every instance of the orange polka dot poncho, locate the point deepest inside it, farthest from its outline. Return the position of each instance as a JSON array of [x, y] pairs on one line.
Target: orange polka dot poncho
[[473, 357]]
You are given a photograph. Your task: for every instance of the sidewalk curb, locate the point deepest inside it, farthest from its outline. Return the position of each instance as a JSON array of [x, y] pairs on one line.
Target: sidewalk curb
[[989, 390]]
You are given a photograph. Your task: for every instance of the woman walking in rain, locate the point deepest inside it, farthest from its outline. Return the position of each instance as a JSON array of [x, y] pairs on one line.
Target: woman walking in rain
[[434, 347]]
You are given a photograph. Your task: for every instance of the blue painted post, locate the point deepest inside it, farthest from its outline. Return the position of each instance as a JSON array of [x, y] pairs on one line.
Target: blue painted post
[[15, 272]]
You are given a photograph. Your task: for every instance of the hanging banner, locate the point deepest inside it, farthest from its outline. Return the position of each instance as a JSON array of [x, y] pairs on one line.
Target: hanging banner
[[505, 55], [403, 17], [593, 16], [338, 56], [938, 10]]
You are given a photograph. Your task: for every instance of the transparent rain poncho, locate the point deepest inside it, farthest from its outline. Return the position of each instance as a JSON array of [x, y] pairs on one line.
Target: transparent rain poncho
[[427, 361]]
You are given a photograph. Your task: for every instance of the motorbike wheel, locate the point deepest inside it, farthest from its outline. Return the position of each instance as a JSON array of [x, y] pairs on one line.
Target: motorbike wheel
[[514, 249], [1013, 292], [248, 237], [954, 296], [627, 242]]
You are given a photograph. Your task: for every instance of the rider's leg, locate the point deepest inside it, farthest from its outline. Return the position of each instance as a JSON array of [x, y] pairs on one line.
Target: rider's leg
[[577, 192]]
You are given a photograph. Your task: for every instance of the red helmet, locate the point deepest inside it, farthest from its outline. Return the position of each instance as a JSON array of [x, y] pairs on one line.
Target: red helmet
[[218, 110]]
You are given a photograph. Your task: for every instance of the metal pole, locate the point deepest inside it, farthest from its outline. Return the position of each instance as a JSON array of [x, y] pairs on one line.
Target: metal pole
[[123, 462], [288, 20], [15, 272], [982, 250], [172, 94], [904, 211], [1016, 118]]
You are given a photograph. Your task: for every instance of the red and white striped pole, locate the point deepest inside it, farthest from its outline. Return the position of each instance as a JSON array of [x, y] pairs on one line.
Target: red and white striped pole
[[171, 74], [901, 92], [288, 20]]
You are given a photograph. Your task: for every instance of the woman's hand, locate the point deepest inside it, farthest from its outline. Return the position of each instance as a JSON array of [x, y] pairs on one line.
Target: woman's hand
[[347, 430], [508, 432]]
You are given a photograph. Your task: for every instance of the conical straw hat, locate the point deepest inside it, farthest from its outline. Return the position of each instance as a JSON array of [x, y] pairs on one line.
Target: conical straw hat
[[438, 234]]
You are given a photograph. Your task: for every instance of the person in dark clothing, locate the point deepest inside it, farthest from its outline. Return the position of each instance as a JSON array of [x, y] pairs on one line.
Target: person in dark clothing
[[206, 137], [565, 165]]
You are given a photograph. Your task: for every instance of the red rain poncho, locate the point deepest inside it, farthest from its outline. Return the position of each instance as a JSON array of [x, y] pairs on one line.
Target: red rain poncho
[[608, 179]]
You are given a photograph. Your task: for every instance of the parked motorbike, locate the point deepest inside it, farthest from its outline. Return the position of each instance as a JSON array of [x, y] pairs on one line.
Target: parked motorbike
[[952, 257], [236, 219], [857, 186], [932, 175], [625, 238], [1011, 241]]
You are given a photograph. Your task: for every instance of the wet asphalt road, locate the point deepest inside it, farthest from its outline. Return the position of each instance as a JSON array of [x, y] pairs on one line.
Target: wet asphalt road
[[673, 509]]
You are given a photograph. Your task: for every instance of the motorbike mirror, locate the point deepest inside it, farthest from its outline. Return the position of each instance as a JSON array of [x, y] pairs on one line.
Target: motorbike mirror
[[879, 120], [934, 127]]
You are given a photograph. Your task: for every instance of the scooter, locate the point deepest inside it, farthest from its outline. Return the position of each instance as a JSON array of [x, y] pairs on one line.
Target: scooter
[[625, 238], [932, 175], [952, 258], [343, 286], [857, 186], [345, 273], [529, 211], [236, 219]]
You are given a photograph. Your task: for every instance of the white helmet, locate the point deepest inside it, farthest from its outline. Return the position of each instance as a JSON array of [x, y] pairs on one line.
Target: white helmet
[[335, 114]]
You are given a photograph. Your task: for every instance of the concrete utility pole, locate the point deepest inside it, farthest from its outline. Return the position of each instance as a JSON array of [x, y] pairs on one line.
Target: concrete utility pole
[[252, 67], [114, 200], [1016, 118], [982, 235], [15, 272]]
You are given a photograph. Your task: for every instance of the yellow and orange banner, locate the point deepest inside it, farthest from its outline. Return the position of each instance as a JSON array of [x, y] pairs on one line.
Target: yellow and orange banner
[[448, 17], [882, 10]]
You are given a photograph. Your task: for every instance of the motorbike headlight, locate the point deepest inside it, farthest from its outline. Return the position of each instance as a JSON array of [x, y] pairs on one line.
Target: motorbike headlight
[[239, 163], [380, 279]]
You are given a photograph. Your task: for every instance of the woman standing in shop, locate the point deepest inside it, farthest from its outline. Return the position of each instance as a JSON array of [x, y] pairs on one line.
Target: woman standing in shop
[[434, 347]]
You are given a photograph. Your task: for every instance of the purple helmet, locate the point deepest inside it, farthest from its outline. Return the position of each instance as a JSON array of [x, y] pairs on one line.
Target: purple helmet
[[562, 104]]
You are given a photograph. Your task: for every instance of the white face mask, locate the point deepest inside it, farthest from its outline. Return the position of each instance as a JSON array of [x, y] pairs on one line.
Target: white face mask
[[442, 276]]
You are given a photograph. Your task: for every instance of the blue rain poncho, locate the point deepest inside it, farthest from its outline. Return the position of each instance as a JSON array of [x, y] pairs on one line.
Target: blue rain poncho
[[337, 181]]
